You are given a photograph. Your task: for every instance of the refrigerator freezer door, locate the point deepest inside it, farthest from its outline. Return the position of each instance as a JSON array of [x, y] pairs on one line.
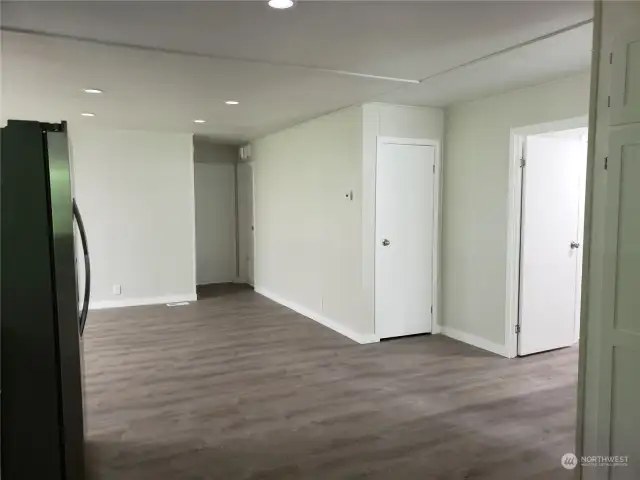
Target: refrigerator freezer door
[[66, 304]]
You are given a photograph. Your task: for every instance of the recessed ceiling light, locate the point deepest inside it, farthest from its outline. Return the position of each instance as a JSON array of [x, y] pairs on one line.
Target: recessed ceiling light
[[87, 114], [281, 4], [232, 102], [199, 121], [91, 90]]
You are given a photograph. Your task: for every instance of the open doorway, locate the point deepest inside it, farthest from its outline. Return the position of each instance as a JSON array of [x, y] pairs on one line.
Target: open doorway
[[552, 160], [215, 213]]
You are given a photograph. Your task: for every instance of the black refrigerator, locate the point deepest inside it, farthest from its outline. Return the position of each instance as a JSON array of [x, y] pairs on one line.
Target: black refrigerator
[[42, 312]]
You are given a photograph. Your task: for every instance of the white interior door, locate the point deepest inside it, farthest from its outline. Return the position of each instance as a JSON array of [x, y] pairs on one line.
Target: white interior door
[[619, 383], [550, 251], [404, 236], [619, 420], [582, 186], [610, 387]]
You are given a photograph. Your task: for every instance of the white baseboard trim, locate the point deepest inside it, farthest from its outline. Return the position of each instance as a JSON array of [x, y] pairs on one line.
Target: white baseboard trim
[[475, 341], [321, 319], [136, 302]]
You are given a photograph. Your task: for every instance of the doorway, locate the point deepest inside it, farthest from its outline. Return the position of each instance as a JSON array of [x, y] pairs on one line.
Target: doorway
[[552, 192], [404, 260]]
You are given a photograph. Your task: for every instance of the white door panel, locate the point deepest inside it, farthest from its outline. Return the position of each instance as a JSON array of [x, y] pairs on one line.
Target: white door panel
[[582, 189], [549, 279], [619, 422], [625, 94], [609, 423], [404, 220]]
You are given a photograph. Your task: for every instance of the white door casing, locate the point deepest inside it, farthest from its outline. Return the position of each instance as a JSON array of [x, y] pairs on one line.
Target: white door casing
[[405, 176], [550, 247]]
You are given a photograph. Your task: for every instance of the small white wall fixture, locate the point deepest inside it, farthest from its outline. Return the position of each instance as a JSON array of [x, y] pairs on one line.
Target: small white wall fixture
[[436, 226], [514, 222]]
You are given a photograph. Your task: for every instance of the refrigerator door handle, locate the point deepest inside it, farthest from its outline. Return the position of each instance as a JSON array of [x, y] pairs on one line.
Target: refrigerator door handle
[[87, 267]]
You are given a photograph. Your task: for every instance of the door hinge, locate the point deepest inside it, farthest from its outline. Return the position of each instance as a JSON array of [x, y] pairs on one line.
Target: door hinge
[[431, 309], [611, 58], [517, 328], [434, 168], [523, 162], [609, 101], [606, 162]]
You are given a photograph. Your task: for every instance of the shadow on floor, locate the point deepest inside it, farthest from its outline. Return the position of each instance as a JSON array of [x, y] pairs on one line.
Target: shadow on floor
[[216, 290], [445, 347]]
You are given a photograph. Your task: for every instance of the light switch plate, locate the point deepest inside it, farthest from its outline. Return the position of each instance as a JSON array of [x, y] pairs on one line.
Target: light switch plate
[[116, 290]]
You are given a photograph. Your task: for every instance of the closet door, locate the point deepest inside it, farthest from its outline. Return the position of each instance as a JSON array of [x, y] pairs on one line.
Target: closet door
[[625, 78], [619, 421]]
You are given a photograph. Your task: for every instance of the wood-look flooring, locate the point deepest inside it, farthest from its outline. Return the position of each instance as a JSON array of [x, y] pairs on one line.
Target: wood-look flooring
[[235, 386]]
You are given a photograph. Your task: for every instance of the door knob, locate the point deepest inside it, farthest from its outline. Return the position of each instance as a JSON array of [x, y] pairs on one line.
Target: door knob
[[386, 243], [575, 245]]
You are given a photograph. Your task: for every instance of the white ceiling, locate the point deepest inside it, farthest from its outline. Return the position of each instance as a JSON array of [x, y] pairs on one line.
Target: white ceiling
[[558, 56], [163, 64], [160, 91]]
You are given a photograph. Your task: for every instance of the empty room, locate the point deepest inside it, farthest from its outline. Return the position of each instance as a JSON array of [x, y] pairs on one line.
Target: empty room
[[320, 239]]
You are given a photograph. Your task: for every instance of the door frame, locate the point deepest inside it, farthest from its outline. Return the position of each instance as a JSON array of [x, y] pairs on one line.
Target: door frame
[[252, 227], [249, 163], [514, 220], [437, 227]]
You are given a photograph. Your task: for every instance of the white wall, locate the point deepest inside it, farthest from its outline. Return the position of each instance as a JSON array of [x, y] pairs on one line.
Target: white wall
[[308, 234], [135, 192], [215, 212], [387, 121], [475, 198], [314, 246]]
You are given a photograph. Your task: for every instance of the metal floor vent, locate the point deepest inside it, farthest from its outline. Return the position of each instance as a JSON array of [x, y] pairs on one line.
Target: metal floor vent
[[177, 304]]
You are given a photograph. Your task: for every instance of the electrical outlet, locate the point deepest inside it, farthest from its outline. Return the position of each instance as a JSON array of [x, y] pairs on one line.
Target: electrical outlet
[[116, 290]]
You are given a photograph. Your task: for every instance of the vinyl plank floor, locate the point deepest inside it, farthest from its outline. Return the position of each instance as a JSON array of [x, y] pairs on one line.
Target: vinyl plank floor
[[235, 386]]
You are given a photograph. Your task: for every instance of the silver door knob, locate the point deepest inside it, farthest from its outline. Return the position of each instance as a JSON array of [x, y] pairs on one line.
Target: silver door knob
[[575, 245], [386, 243]]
